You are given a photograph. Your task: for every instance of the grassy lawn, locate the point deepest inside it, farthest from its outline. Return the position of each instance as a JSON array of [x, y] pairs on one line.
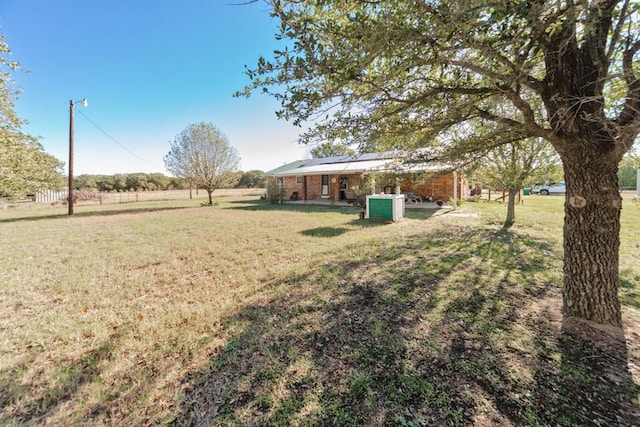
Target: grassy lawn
[[253, 314]]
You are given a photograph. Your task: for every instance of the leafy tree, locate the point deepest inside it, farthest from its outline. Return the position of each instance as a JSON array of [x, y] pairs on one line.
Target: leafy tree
[[512, 166], [326, 149], [137, 181], [24, 166], [203, 154], [252, 179], [120, 182], [401, 73], [160, 181], [86, 182], [105, 182], [628, 171], [178, 183], [238, 176]]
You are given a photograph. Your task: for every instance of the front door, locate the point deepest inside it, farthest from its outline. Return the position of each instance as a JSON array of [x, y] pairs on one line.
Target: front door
[[324, 192], [344, 186]]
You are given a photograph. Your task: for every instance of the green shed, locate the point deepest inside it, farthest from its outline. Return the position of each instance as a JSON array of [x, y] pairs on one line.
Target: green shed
[[385, 206]]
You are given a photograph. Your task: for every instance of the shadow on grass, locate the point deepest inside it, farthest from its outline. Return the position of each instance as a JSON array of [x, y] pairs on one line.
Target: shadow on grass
[[591, 385], [367, 223], [93, 213], [261, 205], [630, 289], [31, 403], [423, 213], [442, 330], [324, 232], [337, 231]]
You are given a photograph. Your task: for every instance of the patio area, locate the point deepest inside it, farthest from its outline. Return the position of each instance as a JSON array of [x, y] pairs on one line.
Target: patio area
[[342, 203]]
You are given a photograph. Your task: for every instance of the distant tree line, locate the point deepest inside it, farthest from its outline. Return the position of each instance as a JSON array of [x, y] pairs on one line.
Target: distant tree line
[[128, 182], [153, 182], [252, 179]]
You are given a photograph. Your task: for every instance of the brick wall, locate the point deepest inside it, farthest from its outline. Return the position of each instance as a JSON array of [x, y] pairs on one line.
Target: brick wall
[[439, 187], [314, 186], [291, 185]]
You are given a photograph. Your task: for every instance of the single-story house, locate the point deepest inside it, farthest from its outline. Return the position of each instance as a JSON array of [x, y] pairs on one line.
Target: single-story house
[[332, 178]]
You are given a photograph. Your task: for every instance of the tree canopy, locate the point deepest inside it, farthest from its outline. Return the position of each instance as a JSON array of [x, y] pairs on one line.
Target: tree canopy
[[202, 154], [327, 149], [512, 166], [463, 77], [252, 179], [24, 166], [128, 182], [628, 172]]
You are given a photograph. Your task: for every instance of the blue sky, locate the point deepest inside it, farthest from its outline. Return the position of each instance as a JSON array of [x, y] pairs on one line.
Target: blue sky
[[148, 69]]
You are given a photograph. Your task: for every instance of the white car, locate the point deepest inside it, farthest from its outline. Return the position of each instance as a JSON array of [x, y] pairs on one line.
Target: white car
[[549, 188]]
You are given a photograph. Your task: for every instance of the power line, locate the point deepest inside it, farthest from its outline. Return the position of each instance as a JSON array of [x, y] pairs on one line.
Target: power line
[[114, 140]]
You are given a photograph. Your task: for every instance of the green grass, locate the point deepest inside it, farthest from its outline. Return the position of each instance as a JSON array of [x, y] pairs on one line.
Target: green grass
[[249, 313]]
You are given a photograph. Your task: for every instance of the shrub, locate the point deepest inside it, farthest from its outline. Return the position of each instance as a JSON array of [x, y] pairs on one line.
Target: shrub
[[361, 196], [275, 194]]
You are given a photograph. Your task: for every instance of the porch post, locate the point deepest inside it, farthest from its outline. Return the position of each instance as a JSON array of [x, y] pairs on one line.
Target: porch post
[[268, 195], [332, 182], [455, 189], [304, 186]]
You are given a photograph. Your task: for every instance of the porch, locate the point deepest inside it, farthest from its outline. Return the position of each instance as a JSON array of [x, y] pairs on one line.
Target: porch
[[344, 204]]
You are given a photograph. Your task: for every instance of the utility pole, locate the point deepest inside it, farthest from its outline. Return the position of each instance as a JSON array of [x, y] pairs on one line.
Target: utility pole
[[70, 202], [71, 105]]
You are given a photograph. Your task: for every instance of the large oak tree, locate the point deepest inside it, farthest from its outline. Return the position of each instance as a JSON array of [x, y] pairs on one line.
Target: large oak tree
[[398, 73], [24, 165], [326, 149]]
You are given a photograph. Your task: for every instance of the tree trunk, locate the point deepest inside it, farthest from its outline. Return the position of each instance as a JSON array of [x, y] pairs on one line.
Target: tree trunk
[[210, 192], [592, 237], [511, 208]]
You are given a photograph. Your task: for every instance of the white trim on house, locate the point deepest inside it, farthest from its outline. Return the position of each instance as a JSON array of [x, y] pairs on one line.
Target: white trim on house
[[336, 168], [353, 165]]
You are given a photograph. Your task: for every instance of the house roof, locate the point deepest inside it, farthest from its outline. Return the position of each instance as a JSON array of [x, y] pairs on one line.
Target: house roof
[[389, 161], [286, 167], [335, 168]]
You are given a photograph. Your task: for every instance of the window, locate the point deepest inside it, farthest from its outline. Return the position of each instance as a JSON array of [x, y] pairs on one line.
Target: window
[[324, 192], [299, 180]]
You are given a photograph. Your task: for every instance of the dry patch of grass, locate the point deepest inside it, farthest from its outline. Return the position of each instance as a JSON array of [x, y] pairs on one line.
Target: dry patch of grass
[[247, 313]]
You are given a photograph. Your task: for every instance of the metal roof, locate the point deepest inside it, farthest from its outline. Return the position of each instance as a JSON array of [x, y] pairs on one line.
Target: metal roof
[[335, 168], [317, 167], [286, 167]]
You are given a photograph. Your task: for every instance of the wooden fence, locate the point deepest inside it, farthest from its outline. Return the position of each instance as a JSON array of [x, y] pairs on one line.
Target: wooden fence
[[146, 196], [45, 198], [50, 196]]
